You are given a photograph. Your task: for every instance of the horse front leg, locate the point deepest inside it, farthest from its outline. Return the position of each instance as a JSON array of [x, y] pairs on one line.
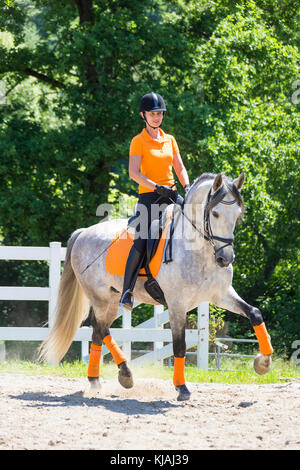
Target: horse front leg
[[234, 303], [177, 321]]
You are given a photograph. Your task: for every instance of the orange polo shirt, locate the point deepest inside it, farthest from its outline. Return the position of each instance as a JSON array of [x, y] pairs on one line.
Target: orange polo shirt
[[157, 158]]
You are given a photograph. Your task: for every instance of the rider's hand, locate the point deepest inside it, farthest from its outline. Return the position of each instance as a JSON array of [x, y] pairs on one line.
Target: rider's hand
[[165, 191], [186, 189]]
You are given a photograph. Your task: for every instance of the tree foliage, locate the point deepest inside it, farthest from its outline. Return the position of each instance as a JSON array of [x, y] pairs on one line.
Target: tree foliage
[[72, 74]]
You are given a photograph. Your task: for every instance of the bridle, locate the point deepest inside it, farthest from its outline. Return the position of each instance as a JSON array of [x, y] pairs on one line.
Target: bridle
[[212, 201]]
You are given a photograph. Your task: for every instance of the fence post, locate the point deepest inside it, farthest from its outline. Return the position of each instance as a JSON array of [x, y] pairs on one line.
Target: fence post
[[157, 345], [54, 278], [203, 333], [85, 354], [126, 324]]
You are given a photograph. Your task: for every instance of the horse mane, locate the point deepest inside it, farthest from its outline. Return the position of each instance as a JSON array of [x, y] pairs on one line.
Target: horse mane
[[167, 213], [203, 177]]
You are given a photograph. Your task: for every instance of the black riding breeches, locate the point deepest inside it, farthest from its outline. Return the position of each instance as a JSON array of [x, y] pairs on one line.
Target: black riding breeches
[[150, 206]]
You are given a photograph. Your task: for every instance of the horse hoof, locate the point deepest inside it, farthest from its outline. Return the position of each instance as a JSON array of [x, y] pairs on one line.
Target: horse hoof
[[184, 393], [125, 376], [94, 389], [262, 364]]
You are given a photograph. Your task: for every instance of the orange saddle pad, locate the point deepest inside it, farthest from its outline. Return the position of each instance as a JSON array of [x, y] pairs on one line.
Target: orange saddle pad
[[120, 247]]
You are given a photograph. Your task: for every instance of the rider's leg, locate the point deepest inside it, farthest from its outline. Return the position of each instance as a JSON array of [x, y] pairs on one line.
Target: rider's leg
[[138, 250], [136, 254], [133, 266]]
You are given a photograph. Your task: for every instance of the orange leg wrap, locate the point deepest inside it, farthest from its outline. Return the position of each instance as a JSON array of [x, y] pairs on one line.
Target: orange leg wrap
[[264, 342], [94, 362], [178, 377], [114, 349]]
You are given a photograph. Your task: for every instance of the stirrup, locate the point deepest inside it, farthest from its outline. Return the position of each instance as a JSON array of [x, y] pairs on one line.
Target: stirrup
[[127, 303]]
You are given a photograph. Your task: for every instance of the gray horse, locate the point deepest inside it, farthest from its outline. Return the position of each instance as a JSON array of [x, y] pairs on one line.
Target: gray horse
[[201, 270]]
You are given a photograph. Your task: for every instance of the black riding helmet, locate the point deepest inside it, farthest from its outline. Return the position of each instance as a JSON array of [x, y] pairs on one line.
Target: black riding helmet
[[152, 102]]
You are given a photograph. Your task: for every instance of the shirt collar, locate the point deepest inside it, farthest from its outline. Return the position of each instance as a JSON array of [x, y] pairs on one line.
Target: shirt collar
[[149, 138]]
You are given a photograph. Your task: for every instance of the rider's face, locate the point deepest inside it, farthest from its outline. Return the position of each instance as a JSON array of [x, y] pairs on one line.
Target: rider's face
[[154, 118]]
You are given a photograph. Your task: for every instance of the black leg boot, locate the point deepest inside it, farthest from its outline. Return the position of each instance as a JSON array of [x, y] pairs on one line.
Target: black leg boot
[[133, 266]]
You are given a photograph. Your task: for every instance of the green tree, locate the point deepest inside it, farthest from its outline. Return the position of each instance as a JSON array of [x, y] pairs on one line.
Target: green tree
[[74, 72], [76, 85]]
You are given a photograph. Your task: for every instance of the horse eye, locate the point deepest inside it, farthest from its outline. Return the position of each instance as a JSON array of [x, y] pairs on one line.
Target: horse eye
[[215, 214]]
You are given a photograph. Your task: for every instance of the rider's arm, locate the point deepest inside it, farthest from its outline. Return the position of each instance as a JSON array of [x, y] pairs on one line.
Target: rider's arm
[[136, 175], [180, 169]]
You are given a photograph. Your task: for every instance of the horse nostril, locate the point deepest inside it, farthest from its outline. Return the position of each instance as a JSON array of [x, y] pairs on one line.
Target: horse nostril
[[220, 261]]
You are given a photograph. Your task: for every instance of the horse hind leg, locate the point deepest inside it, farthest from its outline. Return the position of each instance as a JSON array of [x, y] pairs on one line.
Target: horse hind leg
[[103, 317], [125, 376], [93, 371]]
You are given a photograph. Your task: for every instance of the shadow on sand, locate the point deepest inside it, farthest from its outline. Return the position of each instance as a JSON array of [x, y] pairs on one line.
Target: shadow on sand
[[126, 406]]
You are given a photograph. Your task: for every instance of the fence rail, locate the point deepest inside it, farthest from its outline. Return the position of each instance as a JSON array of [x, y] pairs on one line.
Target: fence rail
[[151, 330]]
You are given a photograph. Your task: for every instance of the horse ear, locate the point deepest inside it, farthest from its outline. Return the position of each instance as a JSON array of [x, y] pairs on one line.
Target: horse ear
[[217, 182], [238, 182]]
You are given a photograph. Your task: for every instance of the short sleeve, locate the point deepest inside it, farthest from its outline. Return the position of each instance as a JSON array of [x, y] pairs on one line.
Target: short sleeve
[[136, 146], [174, 145]]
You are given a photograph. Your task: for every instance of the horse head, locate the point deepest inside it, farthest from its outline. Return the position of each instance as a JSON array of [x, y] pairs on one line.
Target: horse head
[[223, 209]]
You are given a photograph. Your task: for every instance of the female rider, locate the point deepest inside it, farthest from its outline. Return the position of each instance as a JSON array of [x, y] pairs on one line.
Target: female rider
[[152, 156]]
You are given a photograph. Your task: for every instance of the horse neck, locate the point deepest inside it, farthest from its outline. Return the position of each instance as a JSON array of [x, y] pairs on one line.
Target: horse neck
[[193, 212]]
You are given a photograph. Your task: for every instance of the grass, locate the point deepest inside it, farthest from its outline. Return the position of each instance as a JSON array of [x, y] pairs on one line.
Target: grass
[[237, 371]]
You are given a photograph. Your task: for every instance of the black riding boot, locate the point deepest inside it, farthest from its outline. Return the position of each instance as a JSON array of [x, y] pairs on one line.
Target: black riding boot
[[133, 266]]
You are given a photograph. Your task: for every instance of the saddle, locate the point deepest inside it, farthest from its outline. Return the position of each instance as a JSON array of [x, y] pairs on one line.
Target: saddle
[[159, 246]]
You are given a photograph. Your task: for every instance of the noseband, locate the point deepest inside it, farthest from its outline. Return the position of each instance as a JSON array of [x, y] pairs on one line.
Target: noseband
[[212, 201]]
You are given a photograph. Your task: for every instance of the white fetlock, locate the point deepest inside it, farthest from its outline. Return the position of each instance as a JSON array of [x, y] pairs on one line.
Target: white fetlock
[[94, 390]]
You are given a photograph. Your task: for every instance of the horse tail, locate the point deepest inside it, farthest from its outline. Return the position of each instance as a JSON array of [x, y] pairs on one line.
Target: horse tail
[[71, 310]]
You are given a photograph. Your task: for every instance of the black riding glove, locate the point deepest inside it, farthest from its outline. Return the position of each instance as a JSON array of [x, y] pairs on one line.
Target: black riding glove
[[186, 189], [165, 191]]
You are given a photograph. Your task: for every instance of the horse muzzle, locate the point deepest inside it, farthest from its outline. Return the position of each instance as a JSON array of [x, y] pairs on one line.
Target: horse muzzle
[[223, 260]]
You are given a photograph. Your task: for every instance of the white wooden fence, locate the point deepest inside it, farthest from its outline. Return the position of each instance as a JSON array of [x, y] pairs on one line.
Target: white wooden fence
[[151, 330]]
